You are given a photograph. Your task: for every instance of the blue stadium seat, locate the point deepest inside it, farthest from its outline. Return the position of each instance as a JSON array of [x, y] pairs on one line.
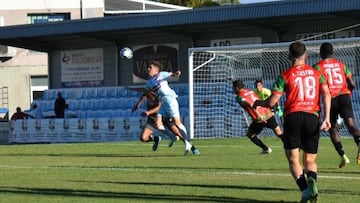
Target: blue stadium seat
[[75, 93], [118, 103], [132, 93], [80, 105], [41, 105], [64, 93], [183, 101], [71, 104], [49, 105], [70, 114], [137, 113], [106, 114], [184, 112], [184, 89], [90, 104], [109, 104], [123, 92], [103, 92], [117, 113], [112, 92], [92, 93], [176, 88], [80, 114], [91, 114], [53, 94], [84, 94], [99, 104], [126, 113], [129, 103], [46, 95]]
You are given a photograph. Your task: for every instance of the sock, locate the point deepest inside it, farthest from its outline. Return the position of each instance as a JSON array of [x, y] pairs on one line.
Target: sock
[[188, 145], [258, 142], [301, 182], [339, 148], [183, 132], [151, 138], [312, 174]]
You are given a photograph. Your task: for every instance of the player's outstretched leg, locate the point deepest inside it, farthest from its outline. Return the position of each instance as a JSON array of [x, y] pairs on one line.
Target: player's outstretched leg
[[259, 143], [157, 140], [335, 139], [169, 123], [172, 141], [188, 145]]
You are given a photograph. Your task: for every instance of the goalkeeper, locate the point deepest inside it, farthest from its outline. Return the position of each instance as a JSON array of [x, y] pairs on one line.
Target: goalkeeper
[[262, 117], [264, 93]]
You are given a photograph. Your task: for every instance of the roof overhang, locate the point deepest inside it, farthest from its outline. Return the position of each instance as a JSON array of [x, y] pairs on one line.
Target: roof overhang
[[192, 23]]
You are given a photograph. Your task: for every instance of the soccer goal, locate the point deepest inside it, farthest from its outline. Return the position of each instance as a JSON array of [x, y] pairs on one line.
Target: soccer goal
[[213, 111]]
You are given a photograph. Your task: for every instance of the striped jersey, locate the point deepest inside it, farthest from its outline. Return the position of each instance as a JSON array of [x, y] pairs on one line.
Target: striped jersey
[[248, 96], [301, 84], [159, 84], [335, 73]]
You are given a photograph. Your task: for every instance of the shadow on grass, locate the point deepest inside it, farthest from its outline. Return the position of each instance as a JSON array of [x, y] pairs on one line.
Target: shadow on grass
[[123, 195], [145, 155], [150, 184]]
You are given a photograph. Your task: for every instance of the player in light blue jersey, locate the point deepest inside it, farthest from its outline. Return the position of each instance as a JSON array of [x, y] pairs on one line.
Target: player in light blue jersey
[[158, 82]]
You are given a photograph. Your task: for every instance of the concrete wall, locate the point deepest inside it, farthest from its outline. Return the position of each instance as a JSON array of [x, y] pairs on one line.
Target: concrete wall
[[17, 71]]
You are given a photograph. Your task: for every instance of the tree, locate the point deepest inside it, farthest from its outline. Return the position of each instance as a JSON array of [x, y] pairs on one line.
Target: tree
[[200, 3], [192, 3]]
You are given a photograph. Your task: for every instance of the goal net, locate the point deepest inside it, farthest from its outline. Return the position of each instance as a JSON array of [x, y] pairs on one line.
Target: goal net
[[213, 111]]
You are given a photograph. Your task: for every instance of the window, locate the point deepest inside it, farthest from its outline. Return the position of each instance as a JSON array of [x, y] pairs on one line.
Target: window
[[38, 85], [47, 17]]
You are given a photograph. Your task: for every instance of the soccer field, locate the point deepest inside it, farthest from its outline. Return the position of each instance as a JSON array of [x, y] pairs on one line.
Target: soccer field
[[228, 170]]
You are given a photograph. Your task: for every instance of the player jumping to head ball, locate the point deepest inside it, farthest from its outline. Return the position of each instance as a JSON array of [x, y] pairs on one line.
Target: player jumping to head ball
[[158, 83]]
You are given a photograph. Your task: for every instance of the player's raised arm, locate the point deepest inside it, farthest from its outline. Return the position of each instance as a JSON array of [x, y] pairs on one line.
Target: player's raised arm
[[176, 73], [269, 102]]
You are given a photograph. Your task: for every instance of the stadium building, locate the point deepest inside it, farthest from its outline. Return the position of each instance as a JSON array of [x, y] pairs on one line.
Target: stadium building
[[83, 54]]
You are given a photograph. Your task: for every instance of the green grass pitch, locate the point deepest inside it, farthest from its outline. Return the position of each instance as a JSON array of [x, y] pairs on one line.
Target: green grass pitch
[[228, 170]]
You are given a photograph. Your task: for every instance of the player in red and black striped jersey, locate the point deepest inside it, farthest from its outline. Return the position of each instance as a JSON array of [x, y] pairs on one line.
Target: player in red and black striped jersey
[[303, 86], [152, 106], [262, 116], [341, 84]]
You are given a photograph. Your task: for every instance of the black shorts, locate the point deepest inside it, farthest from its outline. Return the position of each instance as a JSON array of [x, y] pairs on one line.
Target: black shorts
[[151, 123], [256, 128], [301, 130], [341, 105]]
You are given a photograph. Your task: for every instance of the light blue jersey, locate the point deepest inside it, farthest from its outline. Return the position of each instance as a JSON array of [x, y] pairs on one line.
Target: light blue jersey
[[167, 96]]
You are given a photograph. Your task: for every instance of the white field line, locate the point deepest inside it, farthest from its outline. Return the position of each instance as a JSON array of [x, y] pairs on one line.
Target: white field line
[[165, 170]]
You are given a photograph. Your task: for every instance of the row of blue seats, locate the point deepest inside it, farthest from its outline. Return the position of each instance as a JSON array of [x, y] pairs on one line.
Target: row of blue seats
[[102, 104], [101, 99], [110, 113], [104, 92]]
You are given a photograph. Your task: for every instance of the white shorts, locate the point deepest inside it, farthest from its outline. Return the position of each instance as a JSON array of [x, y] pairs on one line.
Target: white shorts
[[169, 107]]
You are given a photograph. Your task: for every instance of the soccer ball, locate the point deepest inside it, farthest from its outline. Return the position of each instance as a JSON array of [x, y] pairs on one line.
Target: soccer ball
[[126, 52]]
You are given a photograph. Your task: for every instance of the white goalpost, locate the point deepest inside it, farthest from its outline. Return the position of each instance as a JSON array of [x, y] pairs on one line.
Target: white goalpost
[[213, 111]]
